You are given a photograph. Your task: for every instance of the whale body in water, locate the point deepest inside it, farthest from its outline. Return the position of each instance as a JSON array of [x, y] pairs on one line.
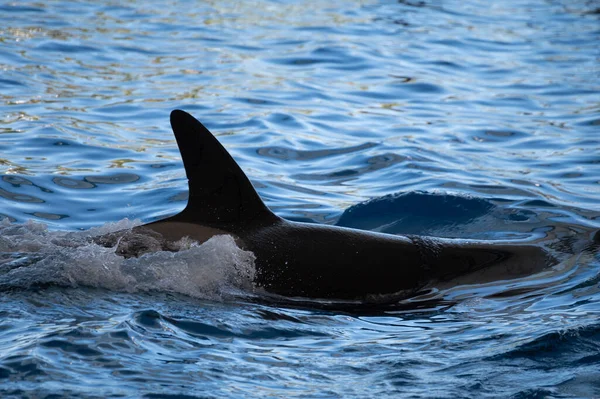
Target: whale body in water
[[311, 260]]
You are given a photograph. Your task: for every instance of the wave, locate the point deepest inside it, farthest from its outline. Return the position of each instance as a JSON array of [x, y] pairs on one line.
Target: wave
[[32, 256], [574, 346]]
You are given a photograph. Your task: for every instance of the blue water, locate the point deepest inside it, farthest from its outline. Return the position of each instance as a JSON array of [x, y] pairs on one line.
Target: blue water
[[463, 119]]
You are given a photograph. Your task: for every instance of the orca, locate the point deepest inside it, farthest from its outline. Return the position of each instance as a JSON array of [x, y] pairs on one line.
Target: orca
[[304, 260]]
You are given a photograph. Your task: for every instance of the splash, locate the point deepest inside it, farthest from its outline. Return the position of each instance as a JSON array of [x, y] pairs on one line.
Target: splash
[[33, 256]]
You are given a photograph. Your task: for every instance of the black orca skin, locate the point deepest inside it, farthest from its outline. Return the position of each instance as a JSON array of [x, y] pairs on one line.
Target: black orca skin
[[320, 261]]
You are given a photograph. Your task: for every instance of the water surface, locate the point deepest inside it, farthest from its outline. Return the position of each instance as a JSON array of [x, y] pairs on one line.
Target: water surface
[[469, 120]]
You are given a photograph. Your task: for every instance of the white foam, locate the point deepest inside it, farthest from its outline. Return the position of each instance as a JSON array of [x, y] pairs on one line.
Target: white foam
[[31, 255]]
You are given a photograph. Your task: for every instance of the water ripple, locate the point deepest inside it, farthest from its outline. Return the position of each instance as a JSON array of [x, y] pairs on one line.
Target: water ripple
[[463, 119]]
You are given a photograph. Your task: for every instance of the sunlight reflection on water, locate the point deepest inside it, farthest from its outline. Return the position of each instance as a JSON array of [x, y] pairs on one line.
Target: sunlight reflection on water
[[463, 119]]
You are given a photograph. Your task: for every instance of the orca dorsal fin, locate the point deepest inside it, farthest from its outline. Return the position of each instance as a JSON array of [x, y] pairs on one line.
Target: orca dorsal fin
[[219, 191]]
